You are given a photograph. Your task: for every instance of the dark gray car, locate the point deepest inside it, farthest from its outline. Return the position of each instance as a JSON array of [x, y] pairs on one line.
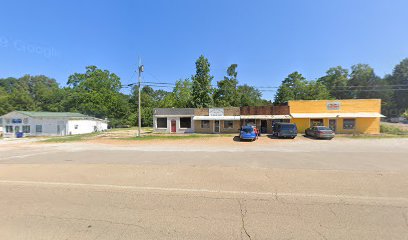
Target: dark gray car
[[320, 132], [285, 130]]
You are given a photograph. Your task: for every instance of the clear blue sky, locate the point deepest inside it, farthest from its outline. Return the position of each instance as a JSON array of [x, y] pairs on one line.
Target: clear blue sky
[[267, 39]]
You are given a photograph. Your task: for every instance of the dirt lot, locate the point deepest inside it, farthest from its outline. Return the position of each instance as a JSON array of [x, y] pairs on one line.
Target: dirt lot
[[204, 188]]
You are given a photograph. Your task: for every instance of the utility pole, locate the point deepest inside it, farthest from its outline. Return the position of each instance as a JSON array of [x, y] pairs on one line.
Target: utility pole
[[141, 69]]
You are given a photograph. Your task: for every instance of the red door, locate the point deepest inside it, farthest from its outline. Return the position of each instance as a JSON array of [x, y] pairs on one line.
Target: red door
[[173, 126]]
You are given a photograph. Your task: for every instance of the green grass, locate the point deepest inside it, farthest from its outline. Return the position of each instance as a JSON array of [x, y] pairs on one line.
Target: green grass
[[71, 138], [176, 137], [387, 129]]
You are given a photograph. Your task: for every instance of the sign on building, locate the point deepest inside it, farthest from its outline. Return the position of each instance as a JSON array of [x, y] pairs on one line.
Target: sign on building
[[216, 112], [333, 105]]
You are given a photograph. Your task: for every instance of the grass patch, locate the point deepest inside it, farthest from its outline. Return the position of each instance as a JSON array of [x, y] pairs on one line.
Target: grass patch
[[387, 129], [71, 138], [176, 137]]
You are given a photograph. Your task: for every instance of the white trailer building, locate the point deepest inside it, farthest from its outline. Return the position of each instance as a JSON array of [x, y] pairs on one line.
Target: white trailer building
[[49, 124]]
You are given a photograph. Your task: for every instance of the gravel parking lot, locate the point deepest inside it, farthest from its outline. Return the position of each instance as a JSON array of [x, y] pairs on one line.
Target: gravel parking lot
[[205, 188]]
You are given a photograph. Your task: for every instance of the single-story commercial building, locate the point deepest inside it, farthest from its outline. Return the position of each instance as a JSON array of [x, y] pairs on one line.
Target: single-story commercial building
[[263, 117], [343, 116], [50, 123], [173, 120], [217, 120]]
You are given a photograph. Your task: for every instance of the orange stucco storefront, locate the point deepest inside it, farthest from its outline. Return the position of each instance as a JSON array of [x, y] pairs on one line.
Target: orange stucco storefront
[[344, 116]]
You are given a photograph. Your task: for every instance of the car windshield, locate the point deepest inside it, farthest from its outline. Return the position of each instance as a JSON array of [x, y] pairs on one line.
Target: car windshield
[[322, 128], [247, 130], [288, 127]]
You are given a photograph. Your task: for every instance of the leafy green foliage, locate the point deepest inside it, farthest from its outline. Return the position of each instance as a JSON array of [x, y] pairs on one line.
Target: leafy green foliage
[[202, 84], [296, 87], [336, 81]]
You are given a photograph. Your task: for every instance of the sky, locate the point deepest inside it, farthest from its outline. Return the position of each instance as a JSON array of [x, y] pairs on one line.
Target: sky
[[267, 39]]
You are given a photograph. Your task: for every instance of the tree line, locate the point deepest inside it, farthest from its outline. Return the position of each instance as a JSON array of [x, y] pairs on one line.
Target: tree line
[[97, 92]]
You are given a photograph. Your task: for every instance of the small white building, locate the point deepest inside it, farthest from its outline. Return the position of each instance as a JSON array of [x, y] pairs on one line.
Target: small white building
[[173, 120], [49, 123]]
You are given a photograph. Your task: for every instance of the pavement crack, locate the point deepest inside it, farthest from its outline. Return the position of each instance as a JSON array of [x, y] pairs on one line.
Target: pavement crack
[[243, 212], [88, 220], [404, 215]]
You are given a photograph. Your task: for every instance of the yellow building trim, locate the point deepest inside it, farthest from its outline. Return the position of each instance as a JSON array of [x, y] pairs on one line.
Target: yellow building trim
[[364, 125]]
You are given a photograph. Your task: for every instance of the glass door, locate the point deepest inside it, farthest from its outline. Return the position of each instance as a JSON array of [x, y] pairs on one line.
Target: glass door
[[216, 126], [332, 124]]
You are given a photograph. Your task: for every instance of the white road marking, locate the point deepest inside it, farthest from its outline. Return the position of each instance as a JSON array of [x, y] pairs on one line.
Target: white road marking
[[25, 155], [276, 195]]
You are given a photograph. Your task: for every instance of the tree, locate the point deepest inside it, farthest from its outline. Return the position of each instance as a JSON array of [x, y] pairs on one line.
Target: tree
[[182, 94], [296, 87], [226, 94], [365, 84], [249, 96], [316, 91], [5, 106], [399, 80], [293, 87], [336, 81], [96, 93], [201, 93]]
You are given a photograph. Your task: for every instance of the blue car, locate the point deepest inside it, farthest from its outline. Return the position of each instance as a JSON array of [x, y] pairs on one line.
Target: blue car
[[247, 133]]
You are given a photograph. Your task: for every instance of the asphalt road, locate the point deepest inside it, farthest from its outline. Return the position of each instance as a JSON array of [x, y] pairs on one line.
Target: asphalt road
[[345, 189]]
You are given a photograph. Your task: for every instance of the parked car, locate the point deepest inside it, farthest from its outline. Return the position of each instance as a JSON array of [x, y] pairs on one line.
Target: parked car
[[285, 130], [320, 132], [247, 133]]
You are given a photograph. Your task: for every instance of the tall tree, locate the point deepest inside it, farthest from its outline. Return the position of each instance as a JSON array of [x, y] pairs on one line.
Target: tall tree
[[296, 87], [293, 87], [399, 80], [202, 84], [249, 96], [96, 93], [226, 94], [365, 84], [182, 94], [336, 81]]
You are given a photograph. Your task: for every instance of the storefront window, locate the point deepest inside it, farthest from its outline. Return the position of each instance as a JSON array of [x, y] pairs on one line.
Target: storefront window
[[228, 124], [349, 123], [162, 123], [9, 129], [205, 124], [185, 122], [26, 129], [316, 122]]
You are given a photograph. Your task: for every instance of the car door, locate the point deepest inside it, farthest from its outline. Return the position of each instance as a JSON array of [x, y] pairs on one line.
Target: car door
[[313, 131]]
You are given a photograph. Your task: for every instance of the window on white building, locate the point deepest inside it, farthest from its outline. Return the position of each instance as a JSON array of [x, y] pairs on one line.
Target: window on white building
[[9, 129], [185, 122], [161, 122], [1, 121], [76, 126], [26, 129], [38, 128]]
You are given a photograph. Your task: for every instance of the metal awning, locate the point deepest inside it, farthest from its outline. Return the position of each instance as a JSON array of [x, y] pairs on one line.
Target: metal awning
[[170, 116], [265, 117], [337, 115], [216, 118]]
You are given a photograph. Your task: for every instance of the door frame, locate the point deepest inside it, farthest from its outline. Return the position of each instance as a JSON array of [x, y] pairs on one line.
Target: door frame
[[219, 126], [335, 124], [175, 125]]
